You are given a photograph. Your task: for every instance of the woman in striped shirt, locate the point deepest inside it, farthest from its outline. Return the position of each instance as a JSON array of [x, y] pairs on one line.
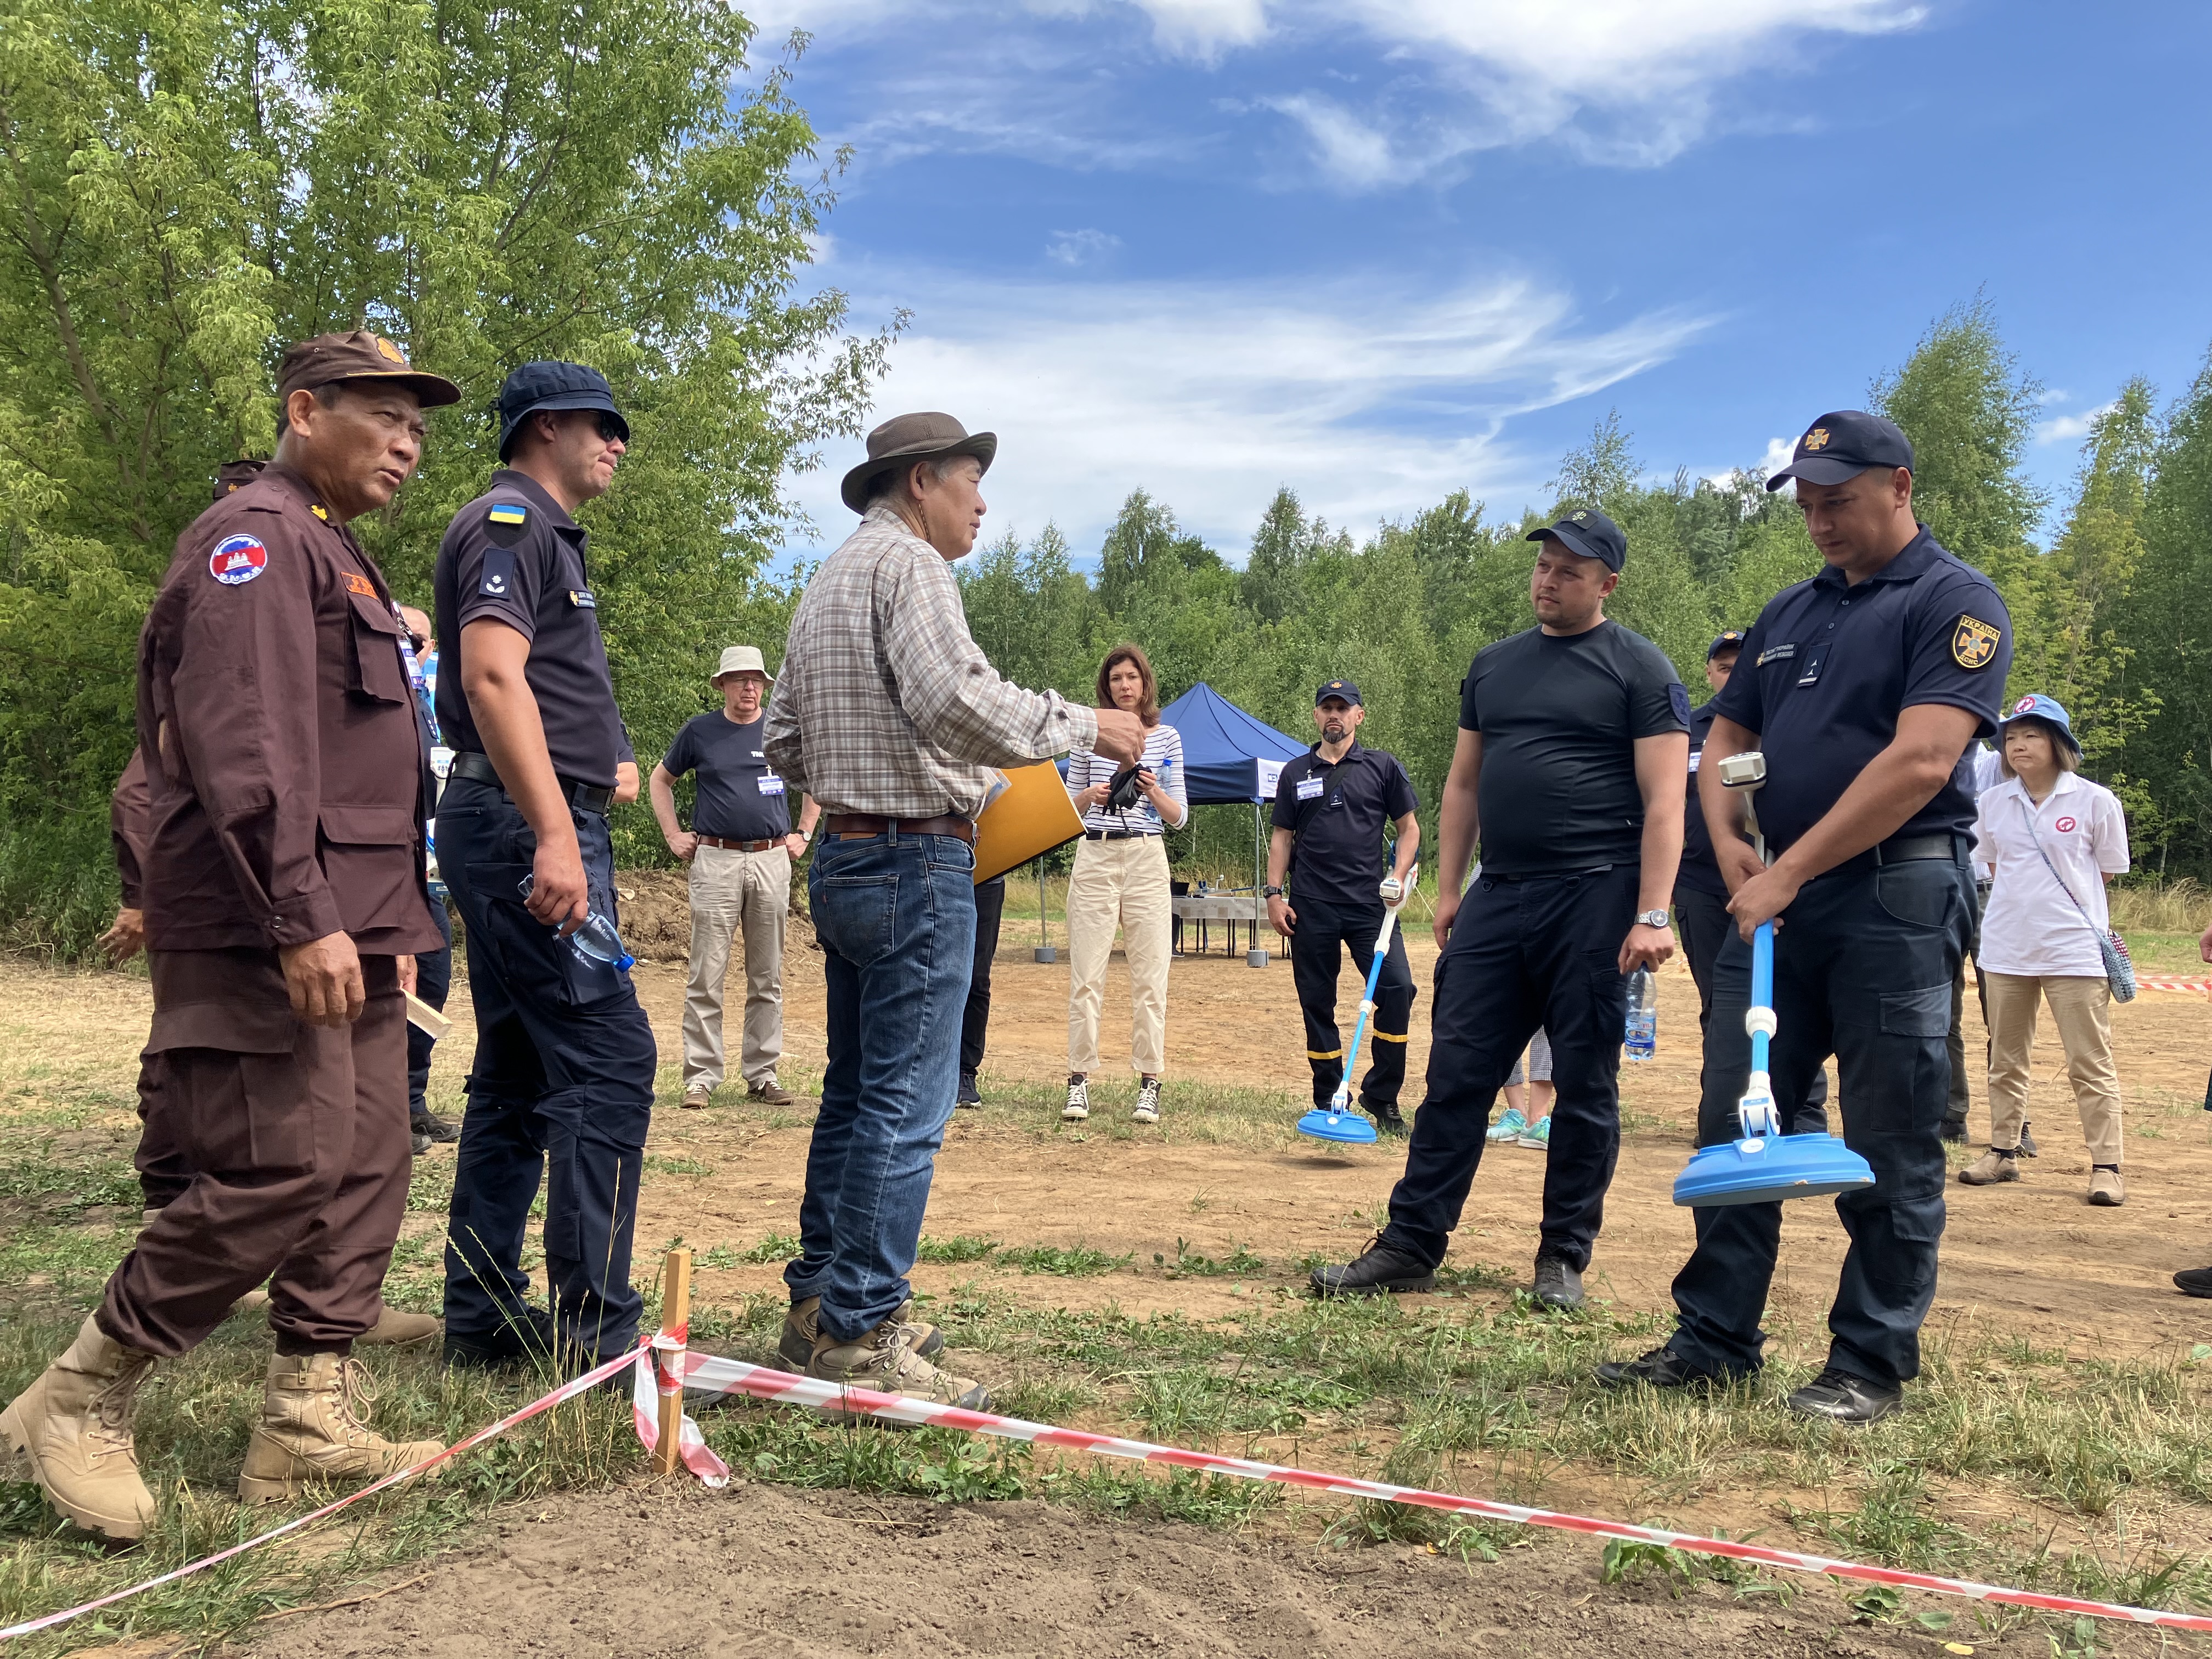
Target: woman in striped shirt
[[1121, 880]]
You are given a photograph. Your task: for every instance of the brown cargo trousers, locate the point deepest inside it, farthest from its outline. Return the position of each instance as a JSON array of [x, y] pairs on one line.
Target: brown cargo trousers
[[298, 1137]]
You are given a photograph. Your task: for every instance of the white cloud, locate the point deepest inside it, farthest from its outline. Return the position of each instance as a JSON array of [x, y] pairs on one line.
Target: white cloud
[[2064, 429], [1778, 452], [1369, 400], [1080, 248], [1348, 150]]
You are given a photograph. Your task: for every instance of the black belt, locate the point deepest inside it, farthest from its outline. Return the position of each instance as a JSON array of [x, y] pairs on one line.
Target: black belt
[[584, 797], [1903, 849], [1118, 835]]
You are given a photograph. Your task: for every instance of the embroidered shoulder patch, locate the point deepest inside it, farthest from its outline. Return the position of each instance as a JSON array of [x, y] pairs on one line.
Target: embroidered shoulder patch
[[1974, 642], [357, 583], [237, 559], [508, 513]]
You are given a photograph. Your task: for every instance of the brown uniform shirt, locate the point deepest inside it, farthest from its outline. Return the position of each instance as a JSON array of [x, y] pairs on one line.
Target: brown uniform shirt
[[287, 803], [128, 811]]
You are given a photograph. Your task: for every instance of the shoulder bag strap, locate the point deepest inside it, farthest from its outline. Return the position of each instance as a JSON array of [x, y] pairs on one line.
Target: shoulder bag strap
[[2028, 820]]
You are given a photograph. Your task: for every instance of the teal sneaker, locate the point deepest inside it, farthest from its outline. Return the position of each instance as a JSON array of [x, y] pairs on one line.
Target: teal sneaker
[[1539, 1136], [1509, 1126]]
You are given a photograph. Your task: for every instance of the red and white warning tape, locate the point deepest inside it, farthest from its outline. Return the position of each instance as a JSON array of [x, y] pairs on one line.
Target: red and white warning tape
[[544, 1402], [705, 1373], [2173, 982]]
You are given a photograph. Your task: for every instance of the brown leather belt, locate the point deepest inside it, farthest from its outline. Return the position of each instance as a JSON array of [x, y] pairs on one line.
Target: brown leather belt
[[738, 846], [860, 823]]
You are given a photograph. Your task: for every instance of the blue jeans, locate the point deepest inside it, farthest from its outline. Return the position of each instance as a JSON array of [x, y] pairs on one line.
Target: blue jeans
[[561, 1090], [896, 917]]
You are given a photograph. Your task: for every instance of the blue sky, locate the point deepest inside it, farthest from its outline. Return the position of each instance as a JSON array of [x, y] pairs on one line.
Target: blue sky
[[1379, 249]]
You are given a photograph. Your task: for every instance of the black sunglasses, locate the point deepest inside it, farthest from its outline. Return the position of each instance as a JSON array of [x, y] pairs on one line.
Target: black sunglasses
[[612, 429]]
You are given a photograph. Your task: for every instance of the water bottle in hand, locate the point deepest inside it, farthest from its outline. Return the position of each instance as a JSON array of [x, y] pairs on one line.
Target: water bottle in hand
[[1642, 1035], [596, 940]]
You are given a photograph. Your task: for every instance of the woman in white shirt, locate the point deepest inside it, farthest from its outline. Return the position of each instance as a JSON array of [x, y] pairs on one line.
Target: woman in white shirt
[[2053, 839], [1121, 880]]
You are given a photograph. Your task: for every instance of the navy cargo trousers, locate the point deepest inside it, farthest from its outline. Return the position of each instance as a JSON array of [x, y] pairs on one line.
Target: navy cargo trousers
[[1864, 962]]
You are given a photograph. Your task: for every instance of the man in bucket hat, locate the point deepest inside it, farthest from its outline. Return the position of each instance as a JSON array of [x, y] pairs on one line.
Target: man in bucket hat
[[888, 713], [740, 847]]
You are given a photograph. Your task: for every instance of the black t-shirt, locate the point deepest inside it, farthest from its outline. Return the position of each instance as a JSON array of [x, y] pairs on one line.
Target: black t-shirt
[[1559, 715], [1828, 667], [513, 555], [740, 796], [1699, 869], [1336, 815]]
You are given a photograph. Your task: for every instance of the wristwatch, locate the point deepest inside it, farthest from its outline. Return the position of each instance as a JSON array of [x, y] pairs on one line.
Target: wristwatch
[[1271, 892], [1651, 918]]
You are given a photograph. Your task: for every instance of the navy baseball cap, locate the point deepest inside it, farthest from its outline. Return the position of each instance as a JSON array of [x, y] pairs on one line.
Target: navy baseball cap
[[2036, 706], [1842, 444], [1343, 690], [544, 385], [1588, 532], [1731, 641]]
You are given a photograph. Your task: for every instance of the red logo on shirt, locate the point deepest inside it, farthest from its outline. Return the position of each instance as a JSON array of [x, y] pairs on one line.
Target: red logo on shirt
[[2063, 825], [237, 559]]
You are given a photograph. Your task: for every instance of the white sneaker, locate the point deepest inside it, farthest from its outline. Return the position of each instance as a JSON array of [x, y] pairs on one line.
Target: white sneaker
[[1147, 1108], [1079, 1101]]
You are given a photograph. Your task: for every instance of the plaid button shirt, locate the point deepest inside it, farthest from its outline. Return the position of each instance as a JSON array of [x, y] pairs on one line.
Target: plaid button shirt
[[885, 704]]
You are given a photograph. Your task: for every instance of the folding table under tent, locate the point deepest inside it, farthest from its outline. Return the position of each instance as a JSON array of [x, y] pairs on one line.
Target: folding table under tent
[[1229, 757]]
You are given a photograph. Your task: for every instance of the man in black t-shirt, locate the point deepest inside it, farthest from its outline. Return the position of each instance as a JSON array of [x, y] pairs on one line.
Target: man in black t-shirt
[[1570, 769], [1331, 804], [740, 847]]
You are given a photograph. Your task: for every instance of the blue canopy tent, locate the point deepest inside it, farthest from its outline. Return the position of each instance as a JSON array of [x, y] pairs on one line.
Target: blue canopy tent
[[1227, 757]]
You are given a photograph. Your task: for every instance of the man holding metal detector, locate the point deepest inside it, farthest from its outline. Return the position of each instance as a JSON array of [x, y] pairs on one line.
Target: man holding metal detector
[[1861, 686]]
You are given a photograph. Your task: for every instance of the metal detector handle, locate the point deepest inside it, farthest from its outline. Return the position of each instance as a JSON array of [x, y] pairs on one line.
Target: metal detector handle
[[1757, 1112], [1342, 1098]]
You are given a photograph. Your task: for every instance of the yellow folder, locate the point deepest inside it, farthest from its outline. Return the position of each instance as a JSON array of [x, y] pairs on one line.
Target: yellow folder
[[1031, 815]]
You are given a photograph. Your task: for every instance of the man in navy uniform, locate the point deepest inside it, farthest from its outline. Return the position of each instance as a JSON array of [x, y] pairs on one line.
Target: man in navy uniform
[[562, 1078], [1331, 804], [1863, 686]]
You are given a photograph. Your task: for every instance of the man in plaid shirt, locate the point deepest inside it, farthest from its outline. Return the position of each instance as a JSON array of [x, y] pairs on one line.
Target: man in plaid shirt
[[887, 714]]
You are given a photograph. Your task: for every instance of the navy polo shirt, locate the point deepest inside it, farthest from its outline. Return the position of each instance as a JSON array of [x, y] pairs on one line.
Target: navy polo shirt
[[1335, 815], [515, 556], [1700, 870], [740, 796], [1829, 667]]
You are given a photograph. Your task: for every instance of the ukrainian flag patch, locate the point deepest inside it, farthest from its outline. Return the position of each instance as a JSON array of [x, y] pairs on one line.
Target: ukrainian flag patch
[[509, 512]]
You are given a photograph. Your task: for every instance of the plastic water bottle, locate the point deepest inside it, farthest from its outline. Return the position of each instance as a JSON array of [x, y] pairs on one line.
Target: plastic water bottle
[[596, 940], [1643, 1034]]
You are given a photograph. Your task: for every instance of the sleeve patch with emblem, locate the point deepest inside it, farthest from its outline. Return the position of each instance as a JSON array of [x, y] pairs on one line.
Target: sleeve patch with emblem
[[497, 581], [1678, 699], [237, 559], [357, 583], [508, 513], [1974, 642]]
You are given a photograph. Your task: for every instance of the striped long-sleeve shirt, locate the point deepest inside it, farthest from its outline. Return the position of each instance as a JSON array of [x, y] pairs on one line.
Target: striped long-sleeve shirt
[[1162, 759]]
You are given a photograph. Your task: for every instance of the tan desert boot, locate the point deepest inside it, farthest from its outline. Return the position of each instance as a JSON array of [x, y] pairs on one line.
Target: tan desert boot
[[395, 1328], [310, 1429], [71, 1432], [794, 1344], [1990, 1167], [256, 1297], [885, 1361], [2106, 1189]]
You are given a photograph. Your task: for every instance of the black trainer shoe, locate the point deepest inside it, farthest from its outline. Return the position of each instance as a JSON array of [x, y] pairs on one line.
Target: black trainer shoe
[[1843, 1398], [531, 1338], [1383, 1267], [1953, 1129], [1662, 1368], [1387, 1118], [2194, 1281], [968, 1094], [1558, 1282], [417, 1142], [430, 1124]]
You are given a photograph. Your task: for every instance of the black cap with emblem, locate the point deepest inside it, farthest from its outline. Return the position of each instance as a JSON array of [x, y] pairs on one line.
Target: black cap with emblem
[[1843, 443], [1588, 532]]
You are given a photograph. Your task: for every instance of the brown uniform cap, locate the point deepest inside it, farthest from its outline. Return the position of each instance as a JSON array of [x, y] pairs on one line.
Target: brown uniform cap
[[359, 355]]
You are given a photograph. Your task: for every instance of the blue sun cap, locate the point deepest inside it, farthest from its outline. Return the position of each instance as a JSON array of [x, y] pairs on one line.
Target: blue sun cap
[[2036, 706]]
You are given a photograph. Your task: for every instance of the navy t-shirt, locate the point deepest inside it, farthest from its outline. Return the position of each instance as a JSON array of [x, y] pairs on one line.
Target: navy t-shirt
[[1336, 815], [1699, 870], [1559, 715], [1829, 667], [740, 796]]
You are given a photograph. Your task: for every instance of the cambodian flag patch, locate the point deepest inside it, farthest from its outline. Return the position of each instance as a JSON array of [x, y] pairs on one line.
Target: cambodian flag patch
[[237, 559]]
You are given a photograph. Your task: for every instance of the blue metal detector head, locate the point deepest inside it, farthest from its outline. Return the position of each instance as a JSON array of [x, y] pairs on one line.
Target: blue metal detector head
[[1328, 1123]]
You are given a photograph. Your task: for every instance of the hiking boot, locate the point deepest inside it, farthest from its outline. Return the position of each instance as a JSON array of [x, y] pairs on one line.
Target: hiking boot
[[396, 1327], [1079, 1101], [1990, 1167], [968, 1094], [1388, 1120], [1558, 1281], [2194, 1281], [1147, 1108], [1953, 1129], [885, 1361], [697, 1097], [770, 1093], [531, 1339], [1537, 1135], [2106, 1189], [430, 1124], [1381, 1268], [1507, 1128], [417, 1142], [71, 1432], [794, 1344], [1661, 1368], [311, 1429], [1841, 1397]]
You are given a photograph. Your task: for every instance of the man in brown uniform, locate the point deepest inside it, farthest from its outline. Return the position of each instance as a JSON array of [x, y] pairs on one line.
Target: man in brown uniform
[[284, 896]]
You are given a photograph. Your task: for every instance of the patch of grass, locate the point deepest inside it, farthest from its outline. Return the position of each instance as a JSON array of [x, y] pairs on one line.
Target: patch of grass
[[1205, 1500], [776, 1247], [1241, 1263], [960, 1247], [683, 1166], [1080, 1262]]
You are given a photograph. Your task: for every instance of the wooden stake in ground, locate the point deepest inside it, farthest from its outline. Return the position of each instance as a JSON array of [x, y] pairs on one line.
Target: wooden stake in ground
[[668, 1357]]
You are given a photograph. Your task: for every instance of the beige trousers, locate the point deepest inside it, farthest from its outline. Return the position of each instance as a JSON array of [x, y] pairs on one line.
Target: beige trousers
[[736, 893], [2080, 1006], [1124, 883]]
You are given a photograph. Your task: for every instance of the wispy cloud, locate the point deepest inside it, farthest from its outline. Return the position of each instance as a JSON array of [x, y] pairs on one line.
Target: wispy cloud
[[2071, 428], [1369, 399], [1080, 248]]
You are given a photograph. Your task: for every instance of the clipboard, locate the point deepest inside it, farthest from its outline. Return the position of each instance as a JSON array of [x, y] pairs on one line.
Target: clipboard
[[1030, 815]]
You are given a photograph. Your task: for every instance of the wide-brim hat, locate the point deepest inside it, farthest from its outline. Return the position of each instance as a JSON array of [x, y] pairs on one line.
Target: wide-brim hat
[[2036, 706], [909, 438], [332, 359], [740, 659]]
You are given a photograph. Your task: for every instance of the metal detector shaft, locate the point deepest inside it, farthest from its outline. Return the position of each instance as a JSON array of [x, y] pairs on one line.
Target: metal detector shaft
[[1762, 991], [1343, 1095]]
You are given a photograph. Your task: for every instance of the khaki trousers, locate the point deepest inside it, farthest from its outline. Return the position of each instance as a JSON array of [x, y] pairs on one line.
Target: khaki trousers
[[1124, 883], [735, 893], [2080, 1006]]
